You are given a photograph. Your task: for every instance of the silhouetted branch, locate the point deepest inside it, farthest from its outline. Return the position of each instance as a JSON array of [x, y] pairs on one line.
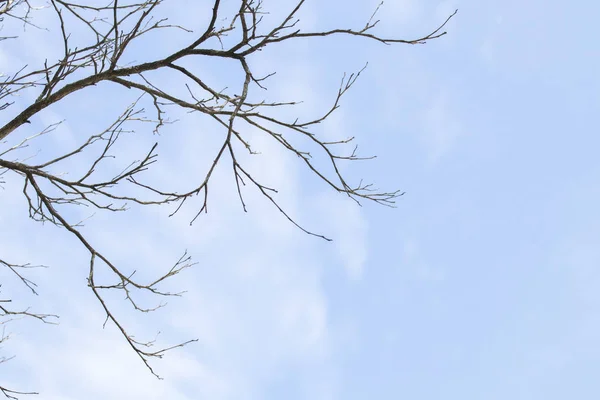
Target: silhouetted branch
[[110, 30]]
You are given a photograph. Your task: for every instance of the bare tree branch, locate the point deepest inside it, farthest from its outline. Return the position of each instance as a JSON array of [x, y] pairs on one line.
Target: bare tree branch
[[110, 30]]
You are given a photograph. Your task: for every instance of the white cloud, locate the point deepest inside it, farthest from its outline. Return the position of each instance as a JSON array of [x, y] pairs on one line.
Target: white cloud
[[255, 303]]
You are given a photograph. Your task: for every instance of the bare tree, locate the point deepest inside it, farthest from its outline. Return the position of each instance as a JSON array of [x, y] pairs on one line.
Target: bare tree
[[95, 57]]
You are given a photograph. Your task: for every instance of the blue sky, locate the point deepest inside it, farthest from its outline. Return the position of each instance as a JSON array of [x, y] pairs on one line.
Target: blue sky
[[481, 284]]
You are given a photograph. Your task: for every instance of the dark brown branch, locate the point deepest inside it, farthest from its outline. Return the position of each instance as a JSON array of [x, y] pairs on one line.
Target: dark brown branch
[[113, 28]]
